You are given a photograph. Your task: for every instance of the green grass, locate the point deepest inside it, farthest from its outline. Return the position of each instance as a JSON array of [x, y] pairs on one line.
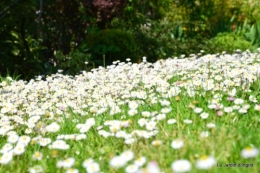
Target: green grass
[[233, 132]]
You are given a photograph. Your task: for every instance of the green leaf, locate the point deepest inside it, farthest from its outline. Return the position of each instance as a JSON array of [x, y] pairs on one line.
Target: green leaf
[[245, 24], [16, 52], [180, 31], [151, 4], [172, 35], [252, 29], [203, 17], [14, 34], [232, 19], [258, 28]]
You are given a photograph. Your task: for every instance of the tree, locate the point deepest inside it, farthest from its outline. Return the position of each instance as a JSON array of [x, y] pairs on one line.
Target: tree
[[105, 10], [32, 31]]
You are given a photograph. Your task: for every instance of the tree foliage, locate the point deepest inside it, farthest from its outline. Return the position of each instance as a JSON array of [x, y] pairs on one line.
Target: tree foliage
[[38, 36], [112, 45], [105, 10], [31, 36]]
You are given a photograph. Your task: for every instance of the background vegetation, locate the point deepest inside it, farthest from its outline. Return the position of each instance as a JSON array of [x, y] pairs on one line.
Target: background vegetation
[[40, 37]]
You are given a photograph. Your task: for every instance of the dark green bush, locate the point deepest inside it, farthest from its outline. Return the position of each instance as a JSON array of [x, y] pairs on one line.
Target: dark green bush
[[113, 44], [148, 46], [187, 46], [73, 63]]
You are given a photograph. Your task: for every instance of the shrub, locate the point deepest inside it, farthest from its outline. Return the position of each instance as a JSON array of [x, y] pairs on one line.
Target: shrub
[[188, 46], [74, 62], [147, 46], [113, 44], [229, 42]]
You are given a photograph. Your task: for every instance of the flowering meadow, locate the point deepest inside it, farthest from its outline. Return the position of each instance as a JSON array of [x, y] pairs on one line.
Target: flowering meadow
[[198, 114]]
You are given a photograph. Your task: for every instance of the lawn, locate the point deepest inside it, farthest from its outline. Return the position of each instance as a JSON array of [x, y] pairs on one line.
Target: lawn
[[176, 115]]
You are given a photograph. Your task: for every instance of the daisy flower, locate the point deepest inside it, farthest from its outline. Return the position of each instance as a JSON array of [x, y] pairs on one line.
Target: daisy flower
[[249, 152], [211, 125], [140, 161], [13, 138], [204, 115], [146, 114], [37, 155], [6, 158], [238, 101], [171, 121], [114, 128], [87, 162], [130, 141], [156, 143], [257, 107], [19, 149], [93, 168], [197, 110], [152, 167], [246, 106], [127, 155], [117, 162], [68, 163], [160, 117], [24, 140], [242, 111], [44, 142], [186, 121], [133, 105], [142, 122], [151, 125], [36, 169], [204, 134], [176, 144], [72, 170], [228, 109], [220, 113], [131, 168], [59, 144], [132, 112], [166, 110], [165, 102], [205, 162], [174, 91], [236, 107], [253, 99], [7, 147], [181, 166], [53, 127]]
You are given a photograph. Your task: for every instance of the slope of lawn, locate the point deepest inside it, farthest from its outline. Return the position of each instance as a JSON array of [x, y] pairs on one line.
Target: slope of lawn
[[176, 115]]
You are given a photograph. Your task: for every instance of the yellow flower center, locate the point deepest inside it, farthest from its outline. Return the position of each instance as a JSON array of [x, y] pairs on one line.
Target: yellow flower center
[[71, 170], [33, 142], [248, 148], [37, 154], [195, 102], [54, 153], [39, 125], [204, 157], [177, 98], [156, 143], [145, 171]]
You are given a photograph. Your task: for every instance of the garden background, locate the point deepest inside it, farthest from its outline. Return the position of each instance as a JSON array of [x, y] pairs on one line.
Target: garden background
[[40, 37]]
